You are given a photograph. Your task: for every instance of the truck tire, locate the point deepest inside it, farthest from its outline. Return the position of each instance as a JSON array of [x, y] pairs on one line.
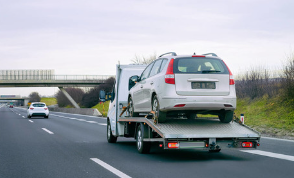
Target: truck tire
[[159, 115], [110, 137], [226, 116], [142, 147], [131, 109]]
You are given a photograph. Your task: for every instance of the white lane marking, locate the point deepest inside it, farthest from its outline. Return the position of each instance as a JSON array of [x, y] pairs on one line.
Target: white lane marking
[[83, 115], [23, 116], [110, 168], [93, 122], [31, 121], [18, 114], [270, 154], [46, 130], [270, 138], [83, 120]]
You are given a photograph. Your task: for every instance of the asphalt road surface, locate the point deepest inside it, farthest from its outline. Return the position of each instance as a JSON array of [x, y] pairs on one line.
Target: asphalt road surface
[[69, 146]]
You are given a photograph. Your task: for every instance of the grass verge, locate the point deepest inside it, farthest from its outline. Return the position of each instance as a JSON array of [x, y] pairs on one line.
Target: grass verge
[[49, 101], [99, 106], [269, 116]]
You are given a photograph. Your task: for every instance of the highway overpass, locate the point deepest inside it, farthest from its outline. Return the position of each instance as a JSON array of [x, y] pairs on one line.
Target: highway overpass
[[45, 78]]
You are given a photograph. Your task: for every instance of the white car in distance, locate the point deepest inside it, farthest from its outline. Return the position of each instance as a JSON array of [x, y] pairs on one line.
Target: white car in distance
[[38, 109], [184, 85]]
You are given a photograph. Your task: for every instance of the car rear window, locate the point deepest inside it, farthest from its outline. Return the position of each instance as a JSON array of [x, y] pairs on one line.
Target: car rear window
[[200, 65], [39, 105]]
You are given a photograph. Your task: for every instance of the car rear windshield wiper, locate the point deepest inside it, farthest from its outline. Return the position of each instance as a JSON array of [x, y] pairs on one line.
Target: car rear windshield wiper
[[210, 71]]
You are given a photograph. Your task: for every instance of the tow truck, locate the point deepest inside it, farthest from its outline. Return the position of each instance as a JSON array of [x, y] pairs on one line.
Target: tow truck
[[176, 133]]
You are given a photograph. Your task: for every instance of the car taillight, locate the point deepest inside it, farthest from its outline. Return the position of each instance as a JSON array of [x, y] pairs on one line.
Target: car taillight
[[31, 108], [173, 145], [169, 75], [45, 108], [247, 145], [232, 81], [198, 56], [179, 105]]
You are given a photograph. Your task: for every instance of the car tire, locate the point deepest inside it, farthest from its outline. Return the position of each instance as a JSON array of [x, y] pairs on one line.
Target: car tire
[[46, 117], [142, 147], [110, 137], [191, 115], [131, 108], [29, 116], [159, 115], [226, 117]]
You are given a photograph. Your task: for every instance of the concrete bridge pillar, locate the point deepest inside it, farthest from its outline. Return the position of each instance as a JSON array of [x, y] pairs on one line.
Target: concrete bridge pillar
[[69, 97]]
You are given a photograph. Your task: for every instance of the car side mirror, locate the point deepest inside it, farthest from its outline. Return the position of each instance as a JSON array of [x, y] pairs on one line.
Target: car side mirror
[[133, 80], [102, 96]]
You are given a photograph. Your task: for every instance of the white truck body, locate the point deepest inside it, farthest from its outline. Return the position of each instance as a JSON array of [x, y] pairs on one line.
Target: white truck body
[[203, 133]]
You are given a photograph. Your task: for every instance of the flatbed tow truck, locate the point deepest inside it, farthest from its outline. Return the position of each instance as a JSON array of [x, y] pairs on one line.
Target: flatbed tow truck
[[176, 133]]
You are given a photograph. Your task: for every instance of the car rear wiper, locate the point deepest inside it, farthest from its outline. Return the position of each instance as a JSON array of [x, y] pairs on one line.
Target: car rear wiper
[[210, 71]]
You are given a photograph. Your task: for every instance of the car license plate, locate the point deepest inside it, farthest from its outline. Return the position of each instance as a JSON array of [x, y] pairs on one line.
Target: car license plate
[[203, 85]]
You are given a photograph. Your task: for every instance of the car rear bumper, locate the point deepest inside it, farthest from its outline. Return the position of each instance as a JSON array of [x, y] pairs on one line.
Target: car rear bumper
[[197, 103], [38, 113]]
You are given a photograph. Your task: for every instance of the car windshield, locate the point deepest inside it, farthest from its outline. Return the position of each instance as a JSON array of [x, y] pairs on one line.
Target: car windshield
[[39, 105], [200, 65]]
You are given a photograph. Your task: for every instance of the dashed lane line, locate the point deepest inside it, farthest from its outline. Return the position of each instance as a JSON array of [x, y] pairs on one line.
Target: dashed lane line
[[270, 154], [82, 120], [110, 168], [48, 131], [93, 122], [31, 121]]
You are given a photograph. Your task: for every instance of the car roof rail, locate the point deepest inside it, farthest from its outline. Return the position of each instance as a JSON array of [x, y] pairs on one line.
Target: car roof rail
[[213, 54], [173, 54]]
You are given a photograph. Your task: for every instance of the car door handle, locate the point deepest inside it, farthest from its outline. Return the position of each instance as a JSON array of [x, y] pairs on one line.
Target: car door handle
[[151, 83]]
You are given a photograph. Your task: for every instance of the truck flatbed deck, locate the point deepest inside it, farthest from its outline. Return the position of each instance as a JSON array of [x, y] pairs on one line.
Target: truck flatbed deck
[[197, 128]]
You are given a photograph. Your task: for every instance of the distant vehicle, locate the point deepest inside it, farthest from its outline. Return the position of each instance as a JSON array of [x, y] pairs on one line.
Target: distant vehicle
[[10, 106], [184, 85], [38, 109]]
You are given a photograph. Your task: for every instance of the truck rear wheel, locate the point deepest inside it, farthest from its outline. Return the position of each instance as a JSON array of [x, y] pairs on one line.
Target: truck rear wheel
[[142, 147], [110, 137], [226, 116], [131, 109], [159, 115]]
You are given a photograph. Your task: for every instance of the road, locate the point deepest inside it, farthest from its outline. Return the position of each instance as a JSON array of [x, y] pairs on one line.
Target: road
[[67, 145]]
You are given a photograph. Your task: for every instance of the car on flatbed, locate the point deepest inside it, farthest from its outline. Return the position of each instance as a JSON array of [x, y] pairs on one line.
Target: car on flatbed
[[175, 132], [38, 109], [176, 85]]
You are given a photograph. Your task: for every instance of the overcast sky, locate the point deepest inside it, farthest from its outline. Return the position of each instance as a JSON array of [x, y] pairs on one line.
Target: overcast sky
[[89, 37]]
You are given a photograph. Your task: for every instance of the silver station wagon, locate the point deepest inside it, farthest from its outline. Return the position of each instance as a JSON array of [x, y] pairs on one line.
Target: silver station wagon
[[185, 86]]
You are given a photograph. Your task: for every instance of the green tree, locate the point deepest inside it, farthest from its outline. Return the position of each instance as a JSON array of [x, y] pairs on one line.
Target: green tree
[[34, 97]]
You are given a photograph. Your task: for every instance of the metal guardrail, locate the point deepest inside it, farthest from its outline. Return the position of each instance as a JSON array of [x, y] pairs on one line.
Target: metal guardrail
[[55, 77]]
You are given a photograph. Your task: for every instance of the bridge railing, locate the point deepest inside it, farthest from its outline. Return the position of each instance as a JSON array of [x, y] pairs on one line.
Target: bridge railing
[[55, 77]]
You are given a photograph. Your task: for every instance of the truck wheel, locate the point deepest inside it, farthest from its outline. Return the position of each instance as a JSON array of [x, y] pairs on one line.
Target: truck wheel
[[226, 116], [142, 147], [159, 115], [110, 137], [131, 109]]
